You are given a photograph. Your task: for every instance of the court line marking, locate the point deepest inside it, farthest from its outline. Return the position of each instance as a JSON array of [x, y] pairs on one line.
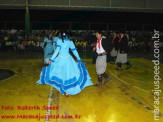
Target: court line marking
[[137, 80], [129, 84], [11, 76], [140, 81], [49, 104]]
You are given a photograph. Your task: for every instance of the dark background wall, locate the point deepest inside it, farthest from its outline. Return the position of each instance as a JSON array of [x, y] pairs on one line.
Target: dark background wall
[[135, 20], [83, 14]]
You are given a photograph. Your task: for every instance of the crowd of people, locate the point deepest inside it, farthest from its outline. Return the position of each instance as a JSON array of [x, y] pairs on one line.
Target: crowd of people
[[17, 40], [56, 46]]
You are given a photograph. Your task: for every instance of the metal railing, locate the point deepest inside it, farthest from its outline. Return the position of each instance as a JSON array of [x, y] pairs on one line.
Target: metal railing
[[89, 4]]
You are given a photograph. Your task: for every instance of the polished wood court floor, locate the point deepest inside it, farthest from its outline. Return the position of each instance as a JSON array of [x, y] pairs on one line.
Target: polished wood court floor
[[127, 97]]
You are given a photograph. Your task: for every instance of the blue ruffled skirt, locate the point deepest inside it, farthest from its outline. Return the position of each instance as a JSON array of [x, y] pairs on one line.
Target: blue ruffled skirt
[[66, 75]]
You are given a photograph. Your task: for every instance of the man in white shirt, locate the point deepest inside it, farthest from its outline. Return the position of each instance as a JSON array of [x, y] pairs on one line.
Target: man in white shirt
[[101, 48]]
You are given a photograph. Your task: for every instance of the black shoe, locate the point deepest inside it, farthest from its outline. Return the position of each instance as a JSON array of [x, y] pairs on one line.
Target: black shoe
[[129, 66], [106, 80], [118, 68], [98, 84], [99, 81], [106, 77]]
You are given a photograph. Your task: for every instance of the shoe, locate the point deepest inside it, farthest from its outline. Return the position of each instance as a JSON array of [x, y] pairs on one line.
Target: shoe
[[98, 84], [67, 95], [118, 68], [107, 80], [106, 77], [129, 66], [99, 81]]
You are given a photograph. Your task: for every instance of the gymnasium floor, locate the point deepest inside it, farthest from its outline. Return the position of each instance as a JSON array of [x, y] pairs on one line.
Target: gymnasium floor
[[127, 97]]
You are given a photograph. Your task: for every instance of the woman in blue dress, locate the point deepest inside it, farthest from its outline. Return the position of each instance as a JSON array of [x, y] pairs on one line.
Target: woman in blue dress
[[63, 73], [55, 38], [48, 48]]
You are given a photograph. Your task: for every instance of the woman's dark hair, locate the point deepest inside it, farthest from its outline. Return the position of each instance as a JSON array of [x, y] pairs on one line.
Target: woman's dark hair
[[49, 34], [122, 31], [99, 31], [59, 32], [64, 34]]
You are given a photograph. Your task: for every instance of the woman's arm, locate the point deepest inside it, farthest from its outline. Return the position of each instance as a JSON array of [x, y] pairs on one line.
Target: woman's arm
[[58, 47], [73, 49], [44, 43], [55, 53]]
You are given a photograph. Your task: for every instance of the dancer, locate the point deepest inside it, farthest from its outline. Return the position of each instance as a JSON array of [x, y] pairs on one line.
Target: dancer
[[115, 44], [102, 48], [63, 73], [122, 51], [48, 48], [55, 38]]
